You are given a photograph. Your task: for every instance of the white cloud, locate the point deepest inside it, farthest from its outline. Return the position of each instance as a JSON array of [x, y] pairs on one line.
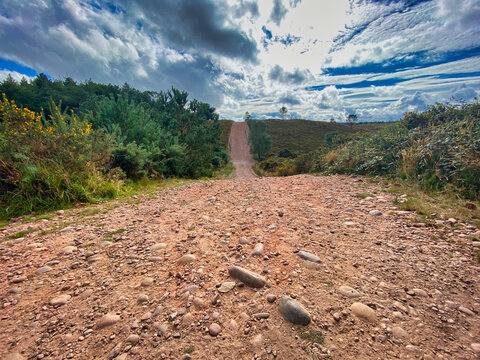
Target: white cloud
[[14, 74]]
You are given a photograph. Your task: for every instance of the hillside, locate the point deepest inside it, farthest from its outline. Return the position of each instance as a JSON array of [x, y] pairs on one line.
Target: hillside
[[302, 136]]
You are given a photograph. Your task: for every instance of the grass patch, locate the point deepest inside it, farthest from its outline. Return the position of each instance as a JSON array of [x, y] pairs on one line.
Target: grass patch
[[477, 256], [226, 172], [443, 204], [3, 224], [20, 234], [188, 349], [109, 236], [89, 212], [100, 225], [364, 195], [314, 336]]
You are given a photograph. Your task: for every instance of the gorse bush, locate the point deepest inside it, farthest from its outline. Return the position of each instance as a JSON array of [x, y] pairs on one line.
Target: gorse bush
[[45, 162], [58, 155]]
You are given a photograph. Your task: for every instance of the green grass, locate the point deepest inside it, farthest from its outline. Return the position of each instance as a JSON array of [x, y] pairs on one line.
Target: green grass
[[3, 223], [109, 236], [303, 136], [20, 234], [314, 336], [89, 212], [364, 195], [188, 349], [444, 204]]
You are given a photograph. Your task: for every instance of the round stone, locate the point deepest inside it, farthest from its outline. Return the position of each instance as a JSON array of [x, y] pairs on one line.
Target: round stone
[[60, 300], [214, 329]]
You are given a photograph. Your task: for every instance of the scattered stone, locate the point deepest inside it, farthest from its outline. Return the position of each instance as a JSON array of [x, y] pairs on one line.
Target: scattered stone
[[364, 312], [336, 316], [420, 292], [107, 320], [292, 311], [142, 298], [67, 250], [466, 311], [18, 279], [60, 300], [475, 347], [226, 286], [132, 339], [399, 333], [271, 298], [257, 341], [309, 257], [262, 315], [148, 281], [257, 250], [43, 270], [94, 258], [248, 277], [158, 246], [14, 356], [86, 294], [243, 241], [198, 303], [375, 212], [214, 329], [186, 259], [348, 291]]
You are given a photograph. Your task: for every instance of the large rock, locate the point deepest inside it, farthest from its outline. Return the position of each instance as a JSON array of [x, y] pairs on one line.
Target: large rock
[[364, 312], [309, 257], [248, 277], [292, 311]]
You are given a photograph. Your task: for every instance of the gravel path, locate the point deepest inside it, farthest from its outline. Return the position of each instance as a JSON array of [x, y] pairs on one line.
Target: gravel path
[[180, 274], [240, 151]]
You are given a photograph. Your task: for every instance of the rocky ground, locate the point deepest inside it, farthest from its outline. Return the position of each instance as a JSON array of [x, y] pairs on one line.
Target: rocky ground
[[153, 277]]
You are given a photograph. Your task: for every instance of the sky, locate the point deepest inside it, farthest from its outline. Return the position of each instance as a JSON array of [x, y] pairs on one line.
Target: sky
[[321, 59]]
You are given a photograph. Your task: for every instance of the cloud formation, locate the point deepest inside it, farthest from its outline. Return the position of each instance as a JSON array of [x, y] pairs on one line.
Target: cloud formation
[[375, 58]]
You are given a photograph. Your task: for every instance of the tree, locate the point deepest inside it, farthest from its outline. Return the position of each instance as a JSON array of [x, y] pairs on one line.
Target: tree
[[247, 116], [260, 141], [332, 120], [283, 111], [351, 118]]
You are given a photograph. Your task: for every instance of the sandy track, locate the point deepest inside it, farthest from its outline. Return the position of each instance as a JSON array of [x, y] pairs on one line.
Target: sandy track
[[422, 282], [240, 151]]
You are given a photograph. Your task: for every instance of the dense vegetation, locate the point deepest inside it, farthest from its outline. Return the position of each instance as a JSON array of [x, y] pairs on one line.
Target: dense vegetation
[[260, 141], [63, 142], [437, 148]]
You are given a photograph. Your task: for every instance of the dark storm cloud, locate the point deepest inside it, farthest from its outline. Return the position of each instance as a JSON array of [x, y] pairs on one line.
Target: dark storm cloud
[[289, 100], [278, 12], [246, 7], [279, 74], [196, 24]]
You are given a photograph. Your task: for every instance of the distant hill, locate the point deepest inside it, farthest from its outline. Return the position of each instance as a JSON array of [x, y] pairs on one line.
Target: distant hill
[[302, 136]]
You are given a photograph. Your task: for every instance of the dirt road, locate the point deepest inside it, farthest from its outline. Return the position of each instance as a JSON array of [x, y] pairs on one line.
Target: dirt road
[[148, 277], [240, 151]]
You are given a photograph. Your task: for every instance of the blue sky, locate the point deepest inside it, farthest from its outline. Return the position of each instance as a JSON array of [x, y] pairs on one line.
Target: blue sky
[[320, 58]]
